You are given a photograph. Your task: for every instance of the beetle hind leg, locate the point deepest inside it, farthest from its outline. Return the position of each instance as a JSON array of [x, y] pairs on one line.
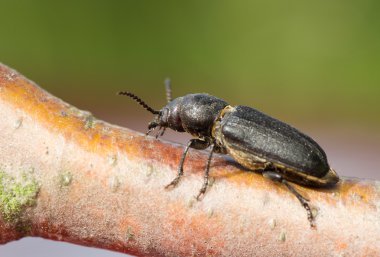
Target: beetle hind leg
[[274, 176]]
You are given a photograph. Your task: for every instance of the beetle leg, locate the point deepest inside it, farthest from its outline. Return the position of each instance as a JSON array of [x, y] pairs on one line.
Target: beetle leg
[[274, 176], [160, 132], [207, 170], [193, 143]]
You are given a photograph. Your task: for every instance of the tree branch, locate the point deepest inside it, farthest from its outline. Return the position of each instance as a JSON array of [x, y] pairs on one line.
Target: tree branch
[[65, 175]]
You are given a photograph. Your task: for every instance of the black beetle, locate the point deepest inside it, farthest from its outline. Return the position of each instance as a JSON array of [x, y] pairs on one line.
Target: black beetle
[[255, 140]]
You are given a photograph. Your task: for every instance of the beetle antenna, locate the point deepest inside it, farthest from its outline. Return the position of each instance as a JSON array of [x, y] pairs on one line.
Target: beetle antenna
[[168, 90], [139, 100]]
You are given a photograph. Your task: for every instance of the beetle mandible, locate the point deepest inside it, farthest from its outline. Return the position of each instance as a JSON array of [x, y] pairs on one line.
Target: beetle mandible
[[255, 140]]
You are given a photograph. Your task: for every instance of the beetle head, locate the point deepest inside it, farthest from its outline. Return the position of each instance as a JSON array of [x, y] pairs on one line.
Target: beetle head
[[166, 117]]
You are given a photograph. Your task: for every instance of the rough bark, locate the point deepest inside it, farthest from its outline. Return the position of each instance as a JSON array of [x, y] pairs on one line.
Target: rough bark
[[64, 175]]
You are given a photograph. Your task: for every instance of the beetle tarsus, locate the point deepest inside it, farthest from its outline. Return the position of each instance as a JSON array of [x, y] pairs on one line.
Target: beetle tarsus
[[201, 193], [309, 215], [274, 176], [175, 181], [303, 201]]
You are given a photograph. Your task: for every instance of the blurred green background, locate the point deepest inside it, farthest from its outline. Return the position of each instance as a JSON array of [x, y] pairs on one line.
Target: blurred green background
[[313, 61], [313, 64]]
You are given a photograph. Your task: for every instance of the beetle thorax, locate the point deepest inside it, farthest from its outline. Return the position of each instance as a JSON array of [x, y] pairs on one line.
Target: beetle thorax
[[199, 112], [193, 113]]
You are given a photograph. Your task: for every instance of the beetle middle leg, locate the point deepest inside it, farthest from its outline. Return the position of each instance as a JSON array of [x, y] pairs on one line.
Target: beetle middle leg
[[274, 176], [193, 143], [207, 171]]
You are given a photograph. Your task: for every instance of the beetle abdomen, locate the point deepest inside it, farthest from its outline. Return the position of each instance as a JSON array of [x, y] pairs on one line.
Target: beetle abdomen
[[248, 130]]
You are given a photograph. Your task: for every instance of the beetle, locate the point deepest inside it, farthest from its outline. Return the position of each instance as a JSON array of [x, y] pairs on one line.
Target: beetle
[[255, 140]]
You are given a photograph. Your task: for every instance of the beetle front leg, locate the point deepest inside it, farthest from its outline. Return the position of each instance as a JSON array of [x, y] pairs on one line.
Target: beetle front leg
[[274, 176], [193, 143]]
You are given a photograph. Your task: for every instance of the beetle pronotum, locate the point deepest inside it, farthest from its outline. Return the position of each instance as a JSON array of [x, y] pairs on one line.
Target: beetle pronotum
[[254, 139]]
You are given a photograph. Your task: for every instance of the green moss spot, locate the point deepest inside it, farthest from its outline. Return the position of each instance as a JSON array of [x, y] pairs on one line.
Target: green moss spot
[[16, 193], [149, 170], [336, 194], [211, 181], [130, 234], [210, 213], [114, 183], [314, 212], [89, 122], [282, 236], [18, 123], [112, 159], [272, 223], [65, 179], [191, 203], [74, 111]]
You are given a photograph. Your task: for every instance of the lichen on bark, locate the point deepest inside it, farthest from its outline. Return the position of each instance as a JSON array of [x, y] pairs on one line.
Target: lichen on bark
[[17, 193]]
